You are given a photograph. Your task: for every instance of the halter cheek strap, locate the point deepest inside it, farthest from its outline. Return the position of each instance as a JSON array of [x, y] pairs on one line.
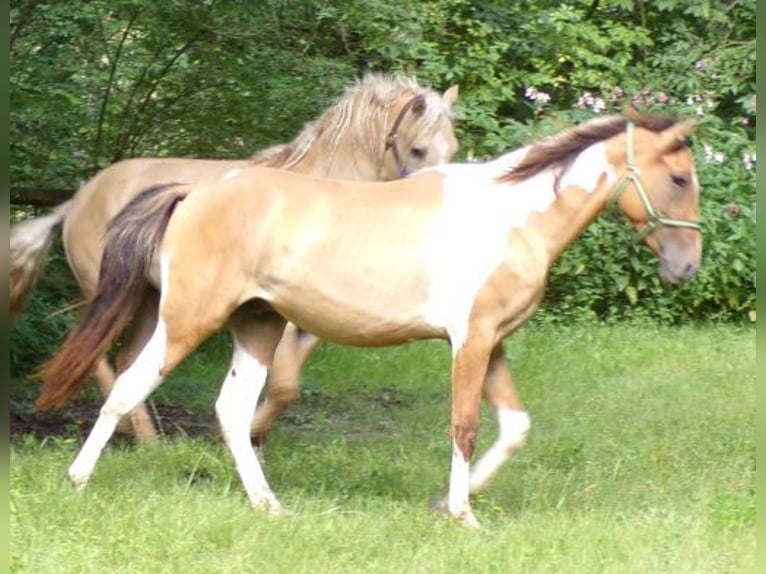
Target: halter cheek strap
[[653, 217], [391, 137]]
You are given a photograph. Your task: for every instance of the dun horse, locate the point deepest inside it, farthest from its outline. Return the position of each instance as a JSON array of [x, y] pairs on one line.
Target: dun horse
[[382, 128], [457, 252]]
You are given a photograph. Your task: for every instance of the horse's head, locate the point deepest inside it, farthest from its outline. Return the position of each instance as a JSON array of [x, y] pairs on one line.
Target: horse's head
[[421, 133], [659, 194]]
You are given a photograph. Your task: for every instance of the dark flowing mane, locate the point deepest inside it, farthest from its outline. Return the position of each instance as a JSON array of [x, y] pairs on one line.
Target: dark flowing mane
[[562, 148]]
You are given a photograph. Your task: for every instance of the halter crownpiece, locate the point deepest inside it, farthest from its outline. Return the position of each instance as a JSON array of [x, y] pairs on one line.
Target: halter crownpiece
[[654, 218], [391, 137]]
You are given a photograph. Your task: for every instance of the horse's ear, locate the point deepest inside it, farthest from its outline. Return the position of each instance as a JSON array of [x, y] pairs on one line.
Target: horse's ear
[[676, 136], [419, 106], [450, 96]]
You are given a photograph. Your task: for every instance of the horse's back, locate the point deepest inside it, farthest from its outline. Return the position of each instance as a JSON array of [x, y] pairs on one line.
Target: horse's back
[[304, 203], [112, 187], [104, 195]]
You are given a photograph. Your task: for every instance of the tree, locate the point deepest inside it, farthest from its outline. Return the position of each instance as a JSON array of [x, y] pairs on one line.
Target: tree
[[96, 81]]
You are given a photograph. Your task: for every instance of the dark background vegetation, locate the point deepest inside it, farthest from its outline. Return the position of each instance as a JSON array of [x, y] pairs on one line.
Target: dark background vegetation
[[92, 82]]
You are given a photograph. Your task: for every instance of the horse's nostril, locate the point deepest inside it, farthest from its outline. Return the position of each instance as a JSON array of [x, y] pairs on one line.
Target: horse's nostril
[[690, 269]]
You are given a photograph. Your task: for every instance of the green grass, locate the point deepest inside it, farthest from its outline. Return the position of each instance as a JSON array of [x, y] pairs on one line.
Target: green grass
[[641, 459]]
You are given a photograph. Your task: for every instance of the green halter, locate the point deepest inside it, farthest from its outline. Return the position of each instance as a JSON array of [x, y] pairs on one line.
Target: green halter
[[653, 217]]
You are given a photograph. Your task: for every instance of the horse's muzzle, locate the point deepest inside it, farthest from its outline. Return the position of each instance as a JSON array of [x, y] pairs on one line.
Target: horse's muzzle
[[676, 273]]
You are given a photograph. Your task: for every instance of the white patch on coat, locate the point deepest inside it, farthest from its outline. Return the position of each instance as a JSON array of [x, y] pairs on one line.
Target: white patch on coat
[[588, 168], [470, 238], [231, 174]]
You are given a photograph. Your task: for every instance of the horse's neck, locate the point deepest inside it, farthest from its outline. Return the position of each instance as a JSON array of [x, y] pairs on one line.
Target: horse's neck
[[550, 208], [349, 149], [581, 193], [344, 159]]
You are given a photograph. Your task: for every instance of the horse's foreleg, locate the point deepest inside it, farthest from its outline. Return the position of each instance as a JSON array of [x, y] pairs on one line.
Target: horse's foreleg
[[130, 389], [283, 381], [469, 367], [254, 343], [512, 419]]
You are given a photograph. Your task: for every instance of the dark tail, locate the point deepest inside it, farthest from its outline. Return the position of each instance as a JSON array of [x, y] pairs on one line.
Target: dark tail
[[130, 243], [30, 243]]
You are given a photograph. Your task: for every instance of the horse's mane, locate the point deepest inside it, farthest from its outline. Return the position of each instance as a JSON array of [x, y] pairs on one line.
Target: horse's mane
[[562, 148], [360, 113]]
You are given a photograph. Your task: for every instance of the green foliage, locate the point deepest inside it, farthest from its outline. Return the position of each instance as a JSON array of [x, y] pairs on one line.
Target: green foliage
[[224, 78], [137, 78]]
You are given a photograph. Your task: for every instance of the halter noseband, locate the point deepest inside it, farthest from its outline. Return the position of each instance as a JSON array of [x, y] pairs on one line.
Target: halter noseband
[[633, 176], [391, 137]]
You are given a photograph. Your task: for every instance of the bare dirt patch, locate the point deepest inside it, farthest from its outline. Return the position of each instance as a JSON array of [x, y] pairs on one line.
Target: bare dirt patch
[[76, 420]]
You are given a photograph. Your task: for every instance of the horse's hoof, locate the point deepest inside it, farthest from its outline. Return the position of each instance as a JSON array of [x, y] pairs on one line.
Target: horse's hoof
[[267, 504], [465, 518], [78, 482], [279, 512], [468, 520]]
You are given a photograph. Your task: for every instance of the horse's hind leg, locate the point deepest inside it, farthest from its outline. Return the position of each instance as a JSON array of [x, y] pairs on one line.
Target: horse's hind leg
[[133, 341], [283, 384], [255, 339], [130, 389], [140, 423], [135, 338], [513, 421], [177, 333]]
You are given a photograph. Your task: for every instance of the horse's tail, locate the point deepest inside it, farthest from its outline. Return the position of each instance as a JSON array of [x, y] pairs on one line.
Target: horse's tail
[[31, 241], [130, 243]]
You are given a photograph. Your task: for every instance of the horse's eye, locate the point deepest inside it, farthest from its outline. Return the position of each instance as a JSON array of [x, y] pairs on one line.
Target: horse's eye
[[418, 152], [679, 180]]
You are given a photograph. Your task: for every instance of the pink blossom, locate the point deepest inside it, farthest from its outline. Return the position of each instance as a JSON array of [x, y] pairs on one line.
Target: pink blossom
[[585, 101], [599, 105], [533, 94]]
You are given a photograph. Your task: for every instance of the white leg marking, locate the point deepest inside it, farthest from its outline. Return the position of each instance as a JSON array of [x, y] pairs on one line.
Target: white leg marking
[[235, 407], [458, 504], [130, 389], [514, 426]]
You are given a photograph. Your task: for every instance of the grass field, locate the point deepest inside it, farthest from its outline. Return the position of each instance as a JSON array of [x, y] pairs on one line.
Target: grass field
[[641, 459]]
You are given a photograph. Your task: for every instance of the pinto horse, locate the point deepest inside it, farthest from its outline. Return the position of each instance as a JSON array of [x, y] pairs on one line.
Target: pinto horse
[[382, 128], [459, 252]]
